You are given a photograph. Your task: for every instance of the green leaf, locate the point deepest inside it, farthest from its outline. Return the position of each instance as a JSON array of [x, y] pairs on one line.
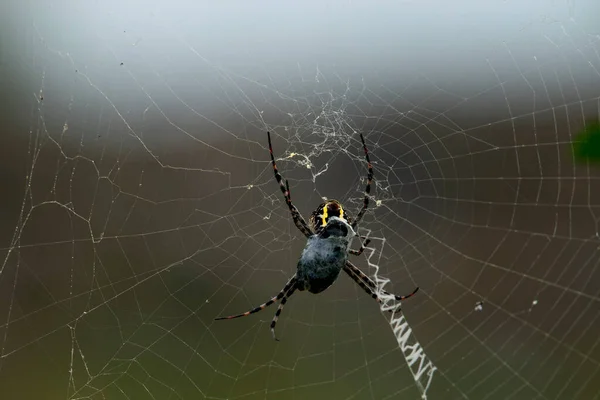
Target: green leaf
[[586, 147]]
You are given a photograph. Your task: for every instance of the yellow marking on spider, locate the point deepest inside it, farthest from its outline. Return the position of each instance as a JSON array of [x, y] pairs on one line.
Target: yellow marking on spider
[[341, 212], [324, 216]]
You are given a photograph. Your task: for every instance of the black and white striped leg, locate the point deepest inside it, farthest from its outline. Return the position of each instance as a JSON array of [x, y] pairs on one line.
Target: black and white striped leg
[[285, 189], [367, 189], [291, 284], [280, 309], [370, 291], [369, 282]]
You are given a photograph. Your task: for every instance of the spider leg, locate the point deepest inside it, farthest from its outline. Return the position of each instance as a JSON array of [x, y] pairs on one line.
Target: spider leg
[[279, 309], [368, 188], [281, 295], [362, 248], [349, 267], [370, 291], [285, 189]]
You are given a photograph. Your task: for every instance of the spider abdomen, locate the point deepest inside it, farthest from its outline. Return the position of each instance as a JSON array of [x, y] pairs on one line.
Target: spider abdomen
[[321, 262]]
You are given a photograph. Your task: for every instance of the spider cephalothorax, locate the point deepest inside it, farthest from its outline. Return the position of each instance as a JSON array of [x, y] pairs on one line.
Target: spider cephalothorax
[[326, 210], [326, 252]]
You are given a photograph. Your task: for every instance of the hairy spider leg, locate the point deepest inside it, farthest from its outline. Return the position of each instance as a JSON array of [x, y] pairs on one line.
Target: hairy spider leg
[[281, 295], [280, 309], [285, 189], [351, 268], [368, 188], [362, 247], [362, 284]]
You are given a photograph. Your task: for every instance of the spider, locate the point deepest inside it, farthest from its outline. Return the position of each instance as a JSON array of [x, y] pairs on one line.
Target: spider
[[327, 248]]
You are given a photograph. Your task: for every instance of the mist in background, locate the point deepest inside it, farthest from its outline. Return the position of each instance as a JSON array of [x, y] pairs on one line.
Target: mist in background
[[138, 202]]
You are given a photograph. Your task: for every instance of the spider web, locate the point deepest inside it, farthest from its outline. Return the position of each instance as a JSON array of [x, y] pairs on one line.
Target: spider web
[[139, 202]]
